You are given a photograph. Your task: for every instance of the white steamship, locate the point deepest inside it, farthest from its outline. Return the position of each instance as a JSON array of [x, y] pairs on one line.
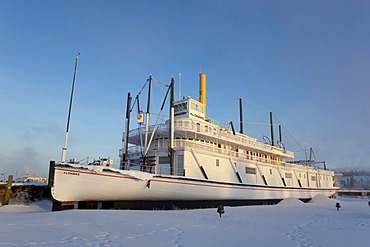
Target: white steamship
[[189, 160]]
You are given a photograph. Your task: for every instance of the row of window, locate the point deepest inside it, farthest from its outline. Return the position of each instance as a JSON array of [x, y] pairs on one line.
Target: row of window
[[250, 170]]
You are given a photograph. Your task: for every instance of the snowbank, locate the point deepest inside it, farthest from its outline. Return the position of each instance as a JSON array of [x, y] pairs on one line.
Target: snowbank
[[39, 206], [322, 200], [281, 225], [291, 201]]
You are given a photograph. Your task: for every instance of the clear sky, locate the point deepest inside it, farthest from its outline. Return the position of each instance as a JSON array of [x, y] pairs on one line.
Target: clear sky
[[306, 61]]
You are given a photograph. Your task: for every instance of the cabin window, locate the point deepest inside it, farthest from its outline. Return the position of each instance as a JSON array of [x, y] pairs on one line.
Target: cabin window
[[217, 162], [164, 160], [250, 170], [288, 175], [180, 165], [181, 107], [197, 107], [270, 171], [313, 178]]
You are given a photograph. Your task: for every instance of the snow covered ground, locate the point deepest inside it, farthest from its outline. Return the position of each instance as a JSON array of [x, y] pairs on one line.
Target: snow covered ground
[[290, 223]]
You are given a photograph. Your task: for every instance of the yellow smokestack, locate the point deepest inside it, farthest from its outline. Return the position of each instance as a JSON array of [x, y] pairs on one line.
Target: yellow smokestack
[[203, 91], [202, 88]]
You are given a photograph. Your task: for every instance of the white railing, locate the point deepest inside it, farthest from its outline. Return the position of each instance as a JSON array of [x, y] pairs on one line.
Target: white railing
[[227, 136], [163, 144], [193, 128]]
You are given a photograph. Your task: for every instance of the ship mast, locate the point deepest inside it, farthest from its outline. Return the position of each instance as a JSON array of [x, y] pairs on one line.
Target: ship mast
[[272, 130], [171, 127], [64, 149], [125, 164], [148, 113], [241, 115]]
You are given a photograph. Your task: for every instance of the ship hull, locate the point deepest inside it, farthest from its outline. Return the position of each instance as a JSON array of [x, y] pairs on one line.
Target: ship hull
[[135, 187]]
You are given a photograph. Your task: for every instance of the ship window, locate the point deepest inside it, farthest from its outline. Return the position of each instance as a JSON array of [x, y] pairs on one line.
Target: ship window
[[270, 171], [217, 162], [181, 107], [164, 160], [288, 175], [250, 170], [313, 178]]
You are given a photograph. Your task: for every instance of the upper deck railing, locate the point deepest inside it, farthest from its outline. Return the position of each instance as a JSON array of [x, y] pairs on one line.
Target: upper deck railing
[[198, 130], [161, 145]]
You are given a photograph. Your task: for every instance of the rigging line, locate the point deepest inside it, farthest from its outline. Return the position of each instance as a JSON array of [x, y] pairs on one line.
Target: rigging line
[[256, 123], [231, 113], [156, 123], [136, 97], [161, 88], [159, 82], [147, 80], [313, 154], [133, 105], [291, 134], [251, 103]]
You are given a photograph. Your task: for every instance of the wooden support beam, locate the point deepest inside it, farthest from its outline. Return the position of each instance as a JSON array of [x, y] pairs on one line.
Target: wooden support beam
[[8, 190], [60, 206]]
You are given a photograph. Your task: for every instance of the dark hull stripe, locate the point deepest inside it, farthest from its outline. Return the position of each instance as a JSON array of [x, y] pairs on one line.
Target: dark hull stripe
[[218, 184]]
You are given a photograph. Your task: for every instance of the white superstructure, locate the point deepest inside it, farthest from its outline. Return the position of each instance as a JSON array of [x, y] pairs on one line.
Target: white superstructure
[[201, 162]]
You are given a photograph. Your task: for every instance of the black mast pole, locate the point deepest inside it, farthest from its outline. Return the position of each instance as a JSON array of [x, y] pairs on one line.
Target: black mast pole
[[272, 130], [241, 115], [125, 155], [149, 92], [280, 137], [171, 127]]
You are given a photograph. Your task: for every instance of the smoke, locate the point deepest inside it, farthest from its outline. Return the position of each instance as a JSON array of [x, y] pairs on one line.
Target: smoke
[[22, 162]]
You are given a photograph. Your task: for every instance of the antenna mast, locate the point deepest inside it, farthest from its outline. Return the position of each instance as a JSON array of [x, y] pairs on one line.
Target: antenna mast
[[64, 150]]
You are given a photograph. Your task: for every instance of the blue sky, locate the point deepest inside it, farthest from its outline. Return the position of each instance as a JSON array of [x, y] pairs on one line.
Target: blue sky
[[306, 61]]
